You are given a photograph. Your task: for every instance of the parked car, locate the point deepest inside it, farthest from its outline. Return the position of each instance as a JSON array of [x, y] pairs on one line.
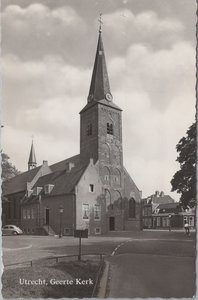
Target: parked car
[[11, 230]]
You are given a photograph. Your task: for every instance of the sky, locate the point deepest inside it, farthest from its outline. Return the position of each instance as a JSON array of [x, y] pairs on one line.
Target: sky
[[48, 51]]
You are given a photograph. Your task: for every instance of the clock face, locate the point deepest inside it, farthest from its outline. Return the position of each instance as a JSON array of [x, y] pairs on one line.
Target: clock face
[[108, 96]]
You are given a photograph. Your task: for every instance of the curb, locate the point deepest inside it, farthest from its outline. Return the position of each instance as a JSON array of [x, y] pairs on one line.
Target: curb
[[103, 282]]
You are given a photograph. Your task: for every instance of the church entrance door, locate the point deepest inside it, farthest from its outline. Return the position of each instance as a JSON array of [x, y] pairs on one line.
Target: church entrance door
[[112, 223]]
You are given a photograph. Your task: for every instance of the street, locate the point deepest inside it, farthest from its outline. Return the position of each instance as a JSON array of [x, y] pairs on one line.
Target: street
[[146, 264], [153, 269]]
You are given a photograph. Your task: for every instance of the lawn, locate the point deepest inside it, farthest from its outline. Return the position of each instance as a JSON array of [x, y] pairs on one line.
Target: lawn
[[66, 279]]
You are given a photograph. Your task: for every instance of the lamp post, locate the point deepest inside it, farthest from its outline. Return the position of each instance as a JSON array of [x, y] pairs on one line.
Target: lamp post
[[60, 212]]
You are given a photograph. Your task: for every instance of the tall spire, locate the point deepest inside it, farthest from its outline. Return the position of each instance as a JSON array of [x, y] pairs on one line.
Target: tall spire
[[32, 158], [99, 88]]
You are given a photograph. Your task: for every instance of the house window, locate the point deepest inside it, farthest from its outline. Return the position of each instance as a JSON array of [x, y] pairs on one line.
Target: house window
[[85, 211], [24, 213], [66, 231], [28, 213], [89, 129], [158, 222], [191, 221], [110, 128], [97, 230], [32, 213], [14, 215], [91, 188], [9, 210], [97, 212], [132, 208]]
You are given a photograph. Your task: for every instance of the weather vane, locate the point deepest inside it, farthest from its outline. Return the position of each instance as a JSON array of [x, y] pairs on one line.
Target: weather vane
[[100, 21]]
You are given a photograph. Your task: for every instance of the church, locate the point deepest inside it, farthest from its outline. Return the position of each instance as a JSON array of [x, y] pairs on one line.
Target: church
[[91, 190]]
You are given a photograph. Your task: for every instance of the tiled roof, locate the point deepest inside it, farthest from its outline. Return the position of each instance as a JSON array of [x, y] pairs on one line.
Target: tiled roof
[[19, 182], [169, 207], [162, 199], [64, 182], [62, 165]]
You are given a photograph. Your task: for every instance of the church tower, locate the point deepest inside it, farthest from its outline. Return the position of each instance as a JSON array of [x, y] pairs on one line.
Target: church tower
[[101, 140], [32, 158], [101, 127]]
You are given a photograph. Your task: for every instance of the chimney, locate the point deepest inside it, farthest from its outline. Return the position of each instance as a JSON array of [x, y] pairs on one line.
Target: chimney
[[45, 162], [162, 194], [157, 193], [69, 166]]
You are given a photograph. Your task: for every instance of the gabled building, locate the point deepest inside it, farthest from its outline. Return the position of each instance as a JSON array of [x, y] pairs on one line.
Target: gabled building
[[160, 211], [91, 190]]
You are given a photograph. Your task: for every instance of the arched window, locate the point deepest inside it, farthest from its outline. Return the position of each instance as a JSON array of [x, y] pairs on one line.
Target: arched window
[[117, 177], [118, 199], [108, 199], [132, 208], [106, 175]]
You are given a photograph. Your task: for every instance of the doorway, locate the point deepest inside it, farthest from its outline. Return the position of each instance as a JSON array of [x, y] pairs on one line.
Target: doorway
[[112, 223], [47, 216]]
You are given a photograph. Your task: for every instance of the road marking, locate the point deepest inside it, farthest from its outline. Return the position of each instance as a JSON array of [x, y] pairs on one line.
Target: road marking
[[117, 247], [15, 249]]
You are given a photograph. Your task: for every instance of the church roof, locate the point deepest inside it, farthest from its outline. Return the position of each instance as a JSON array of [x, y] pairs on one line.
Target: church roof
[[100, 88], [99, 82], [61, 165], [104, 102], [64, 182], [19, 182], [32, 157]]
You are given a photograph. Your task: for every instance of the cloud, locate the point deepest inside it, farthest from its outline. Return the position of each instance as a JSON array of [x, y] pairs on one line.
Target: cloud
[[46, 77], [156, 90], [161, 74], [44, 90], [124, 28], [40, 30]]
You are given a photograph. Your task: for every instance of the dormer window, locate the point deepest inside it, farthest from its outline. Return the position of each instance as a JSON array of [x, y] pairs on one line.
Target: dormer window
[[37, 190], [89, 129], [110, 128], [48, 188]]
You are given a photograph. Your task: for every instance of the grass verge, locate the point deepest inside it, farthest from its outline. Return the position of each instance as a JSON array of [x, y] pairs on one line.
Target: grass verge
[[71, 279]]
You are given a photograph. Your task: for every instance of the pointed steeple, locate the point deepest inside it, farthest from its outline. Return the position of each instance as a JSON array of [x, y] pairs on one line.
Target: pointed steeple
[[99, 88], [32, 158]]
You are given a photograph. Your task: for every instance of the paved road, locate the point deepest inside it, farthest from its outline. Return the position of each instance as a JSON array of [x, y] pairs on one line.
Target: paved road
[[145, 264], [153, 268]]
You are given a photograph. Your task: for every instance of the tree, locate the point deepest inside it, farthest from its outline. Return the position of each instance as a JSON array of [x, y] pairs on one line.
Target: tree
[[184, 180], [8, 169]]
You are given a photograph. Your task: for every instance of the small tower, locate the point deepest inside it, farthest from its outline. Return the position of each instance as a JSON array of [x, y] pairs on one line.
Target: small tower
[[32, 158]]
